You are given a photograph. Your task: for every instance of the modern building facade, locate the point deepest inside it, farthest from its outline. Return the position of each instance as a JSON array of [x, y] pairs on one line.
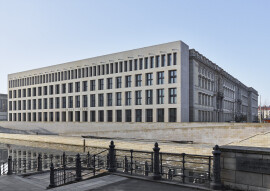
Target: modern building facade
[[3, 107], [162, 83]]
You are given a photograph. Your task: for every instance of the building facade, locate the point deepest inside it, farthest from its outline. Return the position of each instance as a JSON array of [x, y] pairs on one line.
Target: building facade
[[162, 83], [3, 107], [264, 112]]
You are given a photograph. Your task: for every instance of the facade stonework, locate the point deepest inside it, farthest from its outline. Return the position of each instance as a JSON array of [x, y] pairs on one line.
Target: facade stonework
[[162, 83]]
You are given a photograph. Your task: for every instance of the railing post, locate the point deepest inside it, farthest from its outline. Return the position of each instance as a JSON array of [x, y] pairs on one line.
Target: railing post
[[88, 160], [112, 166], [78, 168], [152, 162], [183, 167], [216, 183], [39, 163], [52, 183], [156, 175], [9, 166], [146, 169], [170, 174], [126, 165], [94, 165], [131, 162]]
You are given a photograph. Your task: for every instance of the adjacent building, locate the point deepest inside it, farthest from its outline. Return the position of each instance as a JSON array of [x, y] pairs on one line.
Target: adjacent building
[[3, 107], [162, 83]]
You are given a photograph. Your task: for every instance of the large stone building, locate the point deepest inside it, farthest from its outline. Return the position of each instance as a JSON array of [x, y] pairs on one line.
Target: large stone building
[[3, 107], [162, 83]]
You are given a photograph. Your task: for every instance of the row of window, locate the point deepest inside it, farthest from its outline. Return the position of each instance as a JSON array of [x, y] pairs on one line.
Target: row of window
[[206, 83], [95, 100], [55, 89], [103, 69], [97, 116], [205, 99]]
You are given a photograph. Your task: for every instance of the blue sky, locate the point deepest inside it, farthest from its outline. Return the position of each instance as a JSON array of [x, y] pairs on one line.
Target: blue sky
[[235, 34]]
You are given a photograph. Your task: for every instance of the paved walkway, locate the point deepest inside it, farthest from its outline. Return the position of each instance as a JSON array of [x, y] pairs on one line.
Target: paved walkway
[[107, 183]]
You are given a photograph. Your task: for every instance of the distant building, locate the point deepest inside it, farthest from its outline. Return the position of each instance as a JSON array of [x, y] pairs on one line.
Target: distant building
[[264, 112], [3, 107], [161, 83]]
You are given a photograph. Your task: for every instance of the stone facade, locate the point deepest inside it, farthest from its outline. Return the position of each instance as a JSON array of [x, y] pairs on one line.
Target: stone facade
[[162, 83], [216, 96], [3, 107]]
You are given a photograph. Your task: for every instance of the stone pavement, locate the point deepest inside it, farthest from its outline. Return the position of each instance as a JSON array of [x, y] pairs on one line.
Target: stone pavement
[[108, 182]]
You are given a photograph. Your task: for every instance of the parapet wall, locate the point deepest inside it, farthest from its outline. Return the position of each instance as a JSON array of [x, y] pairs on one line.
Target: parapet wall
[[212, 133]]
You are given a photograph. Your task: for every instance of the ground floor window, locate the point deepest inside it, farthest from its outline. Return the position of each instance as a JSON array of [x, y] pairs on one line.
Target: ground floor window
[[128, 115], [118, 115], [138, 115], [172, 114], [160, 115], [149, 115]]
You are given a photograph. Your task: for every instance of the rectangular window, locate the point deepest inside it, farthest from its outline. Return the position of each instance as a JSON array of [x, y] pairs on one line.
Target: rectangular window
[[109, 116], [64, 104], [39, 104], [145, 63], [135, 64], [172, 76], [93, 116], [160, 115], [57, 102], [109, 83], [35, 91], [160, 96], [116, 67], [63, 88], [163, 60], [92, 85], [109, 99], [101, 116], [92, 100], [169, 59], [172, 95], [130, 65], [172, 114], [149, 115], [70, 101], [128, 115], [39, 91], [70, 87], [57, 89], [77, 86], [128, 98], [85, 101], [100, 100], [118, 115], [174, 58], [128, 81], [118, 98], [138, 115], [152, 62], [138, 80], [111, 69], [85, 86], [149, 79], [121, 67], [118, 82], [149, 97], [101, 84], [140, 63], [157, 61], [138, 97], [45, 103], [160, 78], [51, 90], [125, 66]]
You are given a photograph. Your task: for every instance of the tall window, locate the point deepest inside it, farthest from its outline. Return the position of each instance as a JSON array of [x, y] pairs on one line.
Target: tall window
[[118, 82], [160, 115], [172, 76], [138, 97], [93, 116], [57, 89], [172, 95], [92, 85], [138, 115], [160, 96], [101, 84], [174, 58], [70, 101], [163, 60], [85, 86], [145, 63], [152, 62], [128, 81], [157, 61], [63, 88], [77, 100], [109, 99], [70, 87], [109, 83], [85, 101], [51, 91], [109, 116], [101, 116], [172, 115], [64, 104], [51, 103], [128, 98], [160, 78], [118, 98], [141, 64], [118, 115], [138, 80], [149, 115], [57, 102], [135, 64], [92, 100], [149, 97], [100, 100], [149, 79], [77, 87], [169, 59], [130, 65], [128, 115]]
